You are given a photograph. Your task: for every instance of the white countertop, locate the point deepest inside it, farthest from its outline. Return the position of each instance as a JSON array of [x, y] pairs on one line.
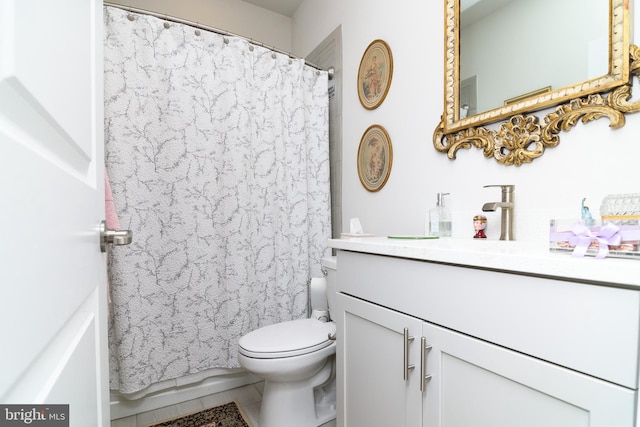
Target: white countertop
[[514, 256]]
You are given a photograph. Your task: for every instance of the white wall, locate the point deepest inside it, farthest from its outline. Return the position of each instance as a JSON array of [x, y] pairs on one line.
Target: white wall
[[591, 161], [234, 16]]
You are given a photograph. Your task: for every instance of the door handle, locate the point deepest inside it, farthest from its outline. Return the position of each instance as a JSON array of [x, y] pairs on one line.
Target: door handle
[[114, 237], [424, 377], [407, 367]]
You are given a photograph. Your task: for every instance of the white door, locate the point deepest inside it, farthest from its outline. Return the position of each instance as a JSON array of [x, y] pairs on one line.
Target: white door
[[52, 274]]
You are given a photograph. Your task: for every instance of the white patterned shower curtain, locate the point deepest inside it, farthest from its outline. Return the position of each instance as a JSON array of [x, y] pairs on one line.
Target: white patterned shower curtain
[[218, 156]]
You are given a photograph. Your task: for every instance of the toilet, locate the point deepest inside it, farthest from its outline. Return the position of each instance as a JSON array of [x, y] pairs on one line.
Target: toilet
[[296, 359]]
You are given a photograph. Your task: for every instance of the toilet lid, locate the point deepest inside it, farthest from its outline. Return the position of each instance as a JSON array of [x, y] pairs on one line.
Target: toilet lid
[[287, 339]]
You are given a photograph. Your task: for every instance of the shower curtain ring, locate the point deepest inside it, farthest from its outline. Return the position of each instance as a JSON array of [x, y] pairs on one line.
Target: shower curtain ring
[[331, 71]]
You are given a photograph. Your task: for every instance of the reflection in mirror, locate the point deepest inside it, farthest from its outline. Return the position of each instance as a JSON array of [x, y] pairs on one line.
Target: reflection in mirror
[[495, 42], [505, 59]]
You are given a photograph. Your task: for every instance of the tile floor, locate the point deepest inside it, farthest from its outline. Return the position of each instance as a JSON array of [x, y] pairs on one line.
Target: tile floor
[[249, 397]]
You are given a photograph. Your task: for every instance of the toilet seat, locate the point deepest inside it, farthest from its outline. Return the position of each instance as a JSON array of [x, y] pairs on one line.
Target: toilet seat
[[287, 339]]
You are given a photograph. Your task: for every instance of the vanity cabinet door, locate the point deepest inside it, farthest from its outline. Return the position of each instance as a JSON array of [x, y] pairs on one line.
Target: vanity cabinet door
[[372, 390], [477, 384]]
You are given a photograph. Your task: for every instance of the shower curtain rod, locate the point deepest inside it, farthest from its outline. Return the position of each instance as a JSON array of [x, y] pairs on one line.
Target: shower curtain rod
[[330, 71]]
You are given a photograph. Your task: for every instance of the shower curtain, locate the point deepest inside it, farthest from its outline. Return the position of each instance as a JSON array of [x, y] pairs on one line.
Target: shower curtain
[[218, 157]]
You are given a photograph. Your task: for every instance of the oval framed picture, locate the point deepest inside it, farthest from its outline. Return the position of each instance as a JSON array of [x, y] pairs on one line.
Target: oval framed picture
[[374, 74], [375, 156]]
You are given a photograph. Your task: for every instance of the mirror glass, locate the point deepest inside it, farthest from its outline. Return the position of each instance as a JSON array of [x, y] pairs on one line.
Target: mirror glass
[[511, 49]]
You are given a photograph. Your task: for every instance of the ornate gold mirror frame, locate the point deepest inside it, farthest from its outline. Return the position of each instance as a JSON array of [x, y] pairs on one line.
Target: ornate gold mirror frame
[[520, 137]]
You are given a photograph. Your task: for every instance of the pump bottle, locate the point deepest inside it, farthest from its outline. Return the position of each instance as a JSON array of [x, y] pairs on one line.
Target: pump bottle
[[439, 221]]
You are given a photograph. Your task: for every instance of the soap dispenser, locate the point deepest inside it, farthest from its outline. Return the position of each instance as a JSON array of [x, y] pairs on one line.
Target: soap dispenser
[[440, 218]]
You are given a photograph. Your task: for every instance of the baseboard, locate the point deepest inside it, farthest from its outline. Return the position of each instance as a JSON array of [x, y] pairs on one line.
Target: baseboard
[[120, 407]]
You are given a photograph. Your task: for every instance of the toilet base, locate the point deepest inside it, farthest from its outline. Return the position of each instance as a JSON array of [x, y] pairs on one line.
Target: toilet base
[[299, 404]]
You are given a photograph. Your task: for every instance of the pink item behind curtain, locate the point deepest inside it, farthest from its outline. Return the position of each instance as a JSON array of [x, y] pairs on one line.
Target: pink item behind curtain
[[111, 218], [109, 207]]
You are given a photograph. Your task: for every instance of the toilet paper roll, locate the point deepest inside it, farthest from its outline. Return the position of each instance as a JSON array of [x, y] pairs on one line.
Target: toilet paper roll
[[321, 315], [318, 293]]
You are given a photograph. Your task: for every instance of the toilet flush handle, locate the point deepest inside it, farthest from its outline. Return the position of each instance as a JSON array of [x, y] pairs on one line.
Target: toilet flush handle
[[332, 336]]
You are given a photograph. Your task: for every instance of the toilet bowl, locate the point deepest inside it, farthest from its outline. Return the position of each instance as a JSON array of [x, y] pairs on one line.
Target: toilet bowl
[[297, 361]]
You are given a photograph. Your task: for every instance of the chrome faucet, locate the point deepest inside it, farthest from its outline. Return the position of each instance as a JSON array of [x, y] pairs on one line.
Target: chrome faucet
[[506, 205]]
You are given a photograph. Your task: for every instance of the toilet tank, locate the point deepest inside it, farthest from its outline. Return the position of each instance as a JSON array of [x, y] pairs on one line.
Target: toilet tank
[[330, 264]]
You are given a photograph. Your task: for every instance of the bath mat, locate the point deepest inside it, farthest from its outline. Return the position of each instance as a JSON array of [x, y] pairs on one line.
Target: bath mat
[[227, 415]]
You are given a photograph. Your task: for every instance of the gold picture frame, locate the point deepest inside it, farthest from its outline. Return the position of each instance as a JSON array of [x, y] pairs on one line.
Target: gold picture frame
[[374, 74], [375, 157]]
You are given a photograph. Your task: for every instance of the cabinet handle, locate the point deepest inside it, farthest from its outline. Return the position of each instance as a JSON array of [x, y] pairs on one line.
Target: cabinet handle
[[407, 367], [423, 364]]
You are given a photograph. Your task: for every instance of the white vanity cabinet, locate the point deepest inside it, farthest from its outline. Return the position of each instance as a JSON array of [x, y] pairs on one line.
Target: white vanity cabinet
[[502, 349], [372, 369]]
